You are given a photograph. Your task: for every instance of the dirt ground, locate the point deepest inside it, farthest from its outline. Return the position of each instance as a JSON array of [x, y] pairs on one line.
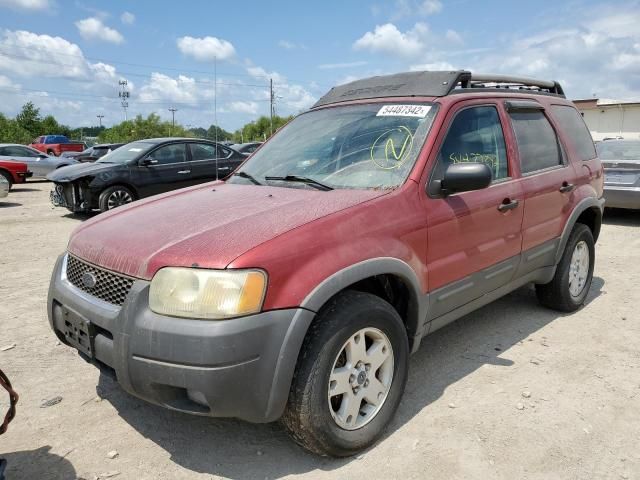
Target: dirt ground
[[510, 391]]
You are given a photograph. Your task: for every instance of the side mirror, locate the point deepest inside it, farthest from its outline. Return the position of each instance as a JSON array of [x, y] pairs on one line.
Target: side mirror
[[146, 161], [464, 177]]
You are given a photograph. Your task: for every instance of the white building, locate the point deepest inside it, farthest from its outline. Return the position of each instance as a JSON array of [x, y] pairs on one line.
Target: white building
[[610, 118]]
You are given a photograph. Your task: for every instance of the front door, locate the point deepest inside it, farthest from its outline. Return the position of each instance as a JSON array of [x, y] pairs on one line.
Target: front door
[[169, 170], [474, 238]]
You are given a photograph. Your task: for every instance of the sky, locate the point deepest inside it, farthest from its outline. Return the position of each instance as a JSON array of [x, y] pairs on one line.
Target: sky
[[68, 56]]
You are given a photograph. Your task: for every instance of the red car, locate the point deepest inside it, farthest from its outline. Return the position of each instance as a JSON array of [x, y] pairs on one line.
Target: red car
[[14, 172], [297, 289], [55, 145]]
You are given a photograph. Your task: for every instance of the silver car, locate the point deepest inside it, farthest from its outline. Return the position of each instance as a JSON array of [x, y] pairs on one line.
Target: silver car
[[4, 187], [621, 162], [39, 163]]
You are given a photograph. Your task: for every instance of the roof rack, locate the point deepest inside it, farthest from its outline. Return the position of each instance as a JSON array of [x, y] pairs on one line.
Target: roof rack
[[513, 82], [432, 84]]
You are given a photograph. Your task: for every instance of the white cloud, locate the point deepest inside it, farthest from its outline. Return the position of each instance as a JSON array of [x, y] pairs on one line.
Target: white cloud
[[453, 37], [286, 45], [181, 89], [437, 66], [585, 58], [206, 49], [30, 54], [333, 66], [430, 7], [6, 82], [292, 97], [389, 40], [92, 28], [26, 4], [243, 107], [127, 18]]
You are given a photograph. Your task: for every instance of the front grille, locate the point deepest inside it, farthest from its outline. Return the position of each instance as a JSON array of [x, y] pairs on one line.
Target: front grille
[[110, 287]]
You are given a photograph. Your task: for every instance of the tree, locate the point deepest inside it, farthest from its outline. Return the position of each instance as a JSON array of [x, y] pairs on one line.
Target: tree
[[11, 132], [140, 128], [260, 129], [29, 118], [222, 134]]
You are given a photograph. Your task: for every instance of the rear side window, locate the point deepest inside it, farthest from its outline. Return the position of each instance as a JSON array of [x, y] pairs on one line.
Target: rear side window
[[202, 151], [538, 144], [577, 132]]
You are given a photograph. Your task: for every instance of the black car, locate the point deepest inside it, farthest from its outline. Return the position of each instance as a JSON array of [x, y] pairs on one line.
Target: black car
[[92, 154], [247, 148], [141, 169]]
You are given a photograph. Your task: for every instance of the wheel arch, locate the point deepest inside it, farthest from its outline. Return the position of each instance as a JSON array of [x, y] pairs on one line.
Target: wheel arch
[[389, 278], [133, 189], [588, 212]]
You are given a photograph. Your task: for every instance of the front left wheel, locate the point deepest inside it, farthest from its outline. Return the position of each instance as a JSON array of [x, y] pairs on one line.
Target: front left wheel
[[114, 197], [350, 375]]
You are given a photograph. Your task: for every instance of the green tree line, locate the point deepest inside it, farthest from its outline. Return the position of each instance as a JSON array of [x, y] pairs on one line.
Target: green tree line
[[29, 124]]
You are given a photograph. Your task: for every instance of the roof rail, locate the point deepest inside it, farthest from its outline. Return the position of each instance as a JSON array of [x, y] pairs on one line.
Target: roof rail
[[506, 81]]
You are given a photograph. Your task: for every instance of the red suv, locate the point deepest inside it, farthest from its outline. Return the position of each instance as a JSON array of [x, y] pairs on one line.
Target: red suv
[[298, 288]]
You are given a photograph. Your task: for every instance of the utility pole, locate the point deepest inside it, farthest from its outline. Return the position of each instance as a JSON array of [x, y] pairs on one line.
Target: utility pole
[[173, 111], [100, 117], [124, 95], [271, 99]]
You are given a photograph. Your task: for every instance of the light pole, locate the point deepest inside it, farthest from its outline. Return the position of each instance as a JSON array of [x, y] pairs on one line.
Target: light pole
[[100, 117], [173, 111]]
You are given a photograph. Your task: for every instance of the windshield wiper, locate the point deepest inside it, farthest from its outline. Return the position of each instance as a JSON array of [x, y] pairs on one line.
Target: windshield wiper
[[300, 179], [247, 176]]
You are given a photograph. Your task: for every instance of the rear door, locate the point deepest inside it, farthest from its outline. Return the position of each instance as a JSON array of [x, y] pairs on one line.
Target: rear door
[[474, 238], [548, 181], [211, 162], [169, 170]]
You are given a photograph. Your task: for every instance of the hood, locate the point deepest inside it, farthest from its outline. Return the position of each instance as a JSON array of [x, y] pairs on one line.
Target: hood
[[79, 170], [207, 226]]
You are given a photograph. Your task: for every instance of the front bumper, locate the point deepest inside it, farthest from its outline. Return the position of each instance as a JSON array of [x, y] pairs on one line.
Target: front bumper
[[622, 197], [233, 368], [71, 197]]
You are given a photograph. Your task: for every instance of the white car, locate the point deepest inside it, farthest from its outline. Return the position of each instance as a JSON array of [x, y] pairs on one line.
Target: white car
[[4, 187], [39, 163]]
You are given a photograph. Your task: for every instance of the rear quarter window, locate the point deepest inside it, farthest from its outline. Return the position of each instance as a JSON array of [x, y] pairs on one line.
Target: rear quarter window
[[575, 130]]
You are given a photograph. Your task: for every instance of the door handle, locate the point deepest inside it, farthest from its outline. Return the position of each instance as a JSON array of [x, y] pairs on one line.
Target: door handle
[[508, 204], [182, 172], [566, 187]]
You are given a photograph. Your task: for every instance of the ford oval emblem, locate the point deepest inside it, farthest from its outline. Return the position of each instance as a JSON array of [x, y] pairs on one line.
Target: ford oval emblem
[[89, 280]]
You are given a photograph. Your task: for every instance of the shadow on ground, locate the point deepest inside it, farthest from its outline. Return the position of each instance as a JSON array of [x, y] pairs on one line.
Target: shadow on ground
[[38, 464], [621, 217], [241, 450], [9, 204], [24, 189]]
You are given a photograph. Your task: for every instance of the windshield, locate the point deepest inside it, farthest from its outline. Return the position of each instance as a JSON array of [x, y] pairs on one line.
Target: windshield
[[619, 150], [127, 153], [353, 146]]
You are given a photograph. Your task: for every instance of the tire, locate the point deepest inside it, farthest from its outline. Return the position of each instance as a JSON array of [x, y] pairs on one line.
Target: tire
[[9, 178], [51, 153], [570, 285], [115, 196], [312, 415]]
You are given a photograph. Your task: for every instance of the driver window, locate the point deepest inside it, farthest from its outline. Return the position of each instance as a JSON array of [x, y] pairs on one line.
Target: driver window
[[168, 154], [475, 135]]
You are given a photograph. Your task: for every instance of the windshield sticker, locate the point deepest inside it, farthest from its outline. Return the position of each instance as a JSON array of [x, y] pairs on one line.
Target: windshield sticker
[[135, 149], [392, 148], [419, 111]]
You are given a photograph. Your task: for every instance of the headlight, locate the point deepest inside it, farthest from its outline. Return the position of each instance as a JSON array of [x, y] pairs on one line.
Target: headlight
[[210, 294]]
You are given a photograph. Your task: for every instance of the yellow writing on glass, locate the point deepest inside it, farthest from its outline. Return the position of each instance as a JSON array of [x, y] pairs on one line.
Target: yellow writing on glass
[[396, 144]]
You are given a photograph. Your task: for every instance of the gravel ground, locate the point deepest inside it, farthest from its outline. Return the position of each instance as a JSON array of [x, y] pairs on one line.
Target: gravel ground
[[510, 391]]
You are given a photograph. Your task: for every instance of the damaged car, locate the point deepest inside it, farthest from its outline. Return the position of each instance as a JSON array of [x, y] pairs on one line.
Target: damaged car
[[141, 169]]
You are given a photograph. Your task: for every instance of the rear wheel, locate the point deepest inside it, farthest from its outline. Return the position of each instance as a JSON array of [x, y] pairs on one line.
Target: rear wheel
[[114, 197], [350, 376], [8, 176], [572, 280], [51, 153]]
